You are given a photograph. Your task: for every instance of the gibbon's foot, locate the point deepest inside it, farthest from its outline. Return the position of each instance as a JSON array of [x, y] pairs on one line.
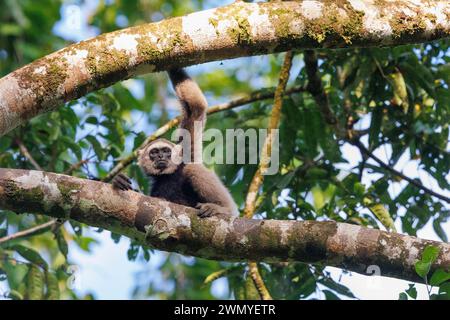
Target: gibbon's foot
[[122, 182], [210, 209]]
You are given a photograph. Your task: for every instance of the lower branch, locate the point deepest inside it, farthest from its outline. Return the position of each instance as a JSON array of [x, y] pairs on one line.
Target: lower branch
[[415, 183], [170, 227], [41, 228], [258, 281], [24, 151]]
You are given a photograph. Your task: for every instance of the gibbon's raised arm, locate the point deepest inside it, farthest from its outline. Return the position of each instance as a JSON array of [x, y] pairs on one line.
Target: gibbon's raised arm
[[194, 106]]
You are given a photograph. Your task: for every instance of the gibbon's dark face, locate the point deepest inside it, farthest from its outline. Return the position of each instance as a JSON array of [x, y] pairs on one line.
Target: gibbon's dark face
[[159, 157]]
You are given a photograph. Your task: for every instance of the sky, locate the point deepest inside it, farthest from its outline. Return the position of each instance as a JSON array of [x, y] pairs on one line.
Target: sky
[[108, 273]]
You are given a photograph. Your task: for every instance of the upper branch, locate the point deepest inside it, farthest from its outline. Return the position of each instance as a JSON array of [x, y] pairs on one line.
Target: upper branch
[[171, 227], [236, 30]]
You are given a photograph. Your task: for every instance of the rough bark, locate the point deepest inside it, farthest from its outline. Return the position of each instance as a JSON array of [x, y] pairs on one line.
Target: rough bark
[[240, 29], [171, 227]]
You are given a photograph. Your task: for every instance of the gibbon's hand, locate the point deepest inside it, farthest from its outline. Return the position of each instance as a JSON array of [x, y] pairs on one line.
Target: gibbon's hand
[[210, 209], [122, 182]]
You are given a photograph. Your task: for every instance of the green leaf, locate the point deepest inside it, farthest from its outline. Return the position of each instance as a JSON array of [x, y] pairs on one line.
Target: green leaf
[[116, 237], [85, 242], [15, 295], [133, 251], [339, 288], [329, 295], [35, 283], [402, 296], [383, 215], [285, 179], [5, 143], [139, 139], [8, 29], [92, 120], [70, 116], [72, 146], [30, 254], [359, 189], [411, 291], [420, 74], [77, 227], [62, 243], [438, 277], [439, 230], [443, 72], [444, 289], [146, 254], [429, 255], [422, 268], [98, 149], [52, 287]]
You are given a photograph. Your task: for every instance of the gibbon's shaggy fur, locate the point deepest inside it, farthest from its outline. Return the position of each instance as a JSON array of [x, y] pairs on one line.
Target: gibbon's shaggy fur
[[190, 184]]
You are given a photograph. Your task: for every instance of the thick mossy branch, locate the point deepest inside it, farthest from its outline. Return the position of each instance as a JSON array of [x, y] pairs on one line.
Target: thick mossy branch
[[236, 30], [175, 228]]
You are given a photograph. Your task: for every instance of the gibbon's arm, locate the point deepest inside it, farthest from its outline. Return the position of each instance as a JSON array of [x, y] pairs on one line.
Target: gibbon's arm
[[194, 106], [214, 196]]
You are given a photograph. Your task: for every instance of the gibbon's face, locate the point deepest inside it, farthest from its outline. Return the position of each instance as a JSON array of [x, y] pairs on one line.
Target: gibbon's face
[[159, 157]]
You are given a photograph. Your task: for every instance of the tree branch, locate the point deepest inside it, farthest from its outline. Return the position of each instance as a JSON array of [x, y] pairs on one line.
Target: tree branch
[[352, 137], [258, 178], [316, 89], [24, 151], [76, 166], [258, 281], [274, 120], [170, 227], [31, 231], [415, 183], [239, 29]]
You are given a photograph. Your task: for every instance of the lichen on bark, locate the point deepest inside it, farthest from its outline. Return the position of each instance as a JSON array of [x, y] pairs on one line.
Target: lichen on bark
[[339, 20], [222, 238]]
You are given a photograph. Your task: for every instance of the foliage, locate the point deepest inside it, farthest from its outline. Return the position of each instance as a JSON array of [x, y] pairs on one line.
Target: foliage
[[398, 98], [440, 278]]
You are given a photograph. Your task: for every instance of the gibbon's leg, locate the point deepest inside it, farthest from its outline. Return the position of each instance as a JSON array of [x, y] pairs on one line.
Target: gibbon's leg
[[214, 196]]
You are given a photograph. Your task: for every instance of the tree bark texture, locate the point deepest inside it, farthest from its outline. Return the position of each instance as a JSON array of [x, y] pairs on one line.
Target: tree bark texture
[[170, 227]]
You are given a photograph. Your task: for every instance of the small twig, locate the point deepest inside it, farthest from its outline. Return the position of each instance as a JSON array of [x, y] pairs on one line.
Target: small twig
[[75, 166], [24, 151], [255, 96], [417, 184], [316, 89], [264, 162], [252, 194], [28, 232], [258, 281]]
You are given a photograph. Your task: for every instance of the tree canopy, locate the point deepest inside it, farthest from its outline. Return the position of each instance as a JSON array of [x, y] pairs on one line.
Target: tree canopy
[[363, 140]]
